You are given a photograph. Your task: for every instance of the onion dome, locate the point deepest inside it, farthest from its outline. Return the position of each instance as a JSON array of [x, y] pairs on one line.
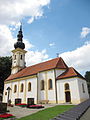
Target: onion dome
[[19, 43]]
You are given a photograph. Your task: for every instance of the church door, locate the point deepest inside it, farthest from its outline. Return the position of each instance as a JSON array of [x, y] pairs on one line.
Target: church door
[[67, 96]]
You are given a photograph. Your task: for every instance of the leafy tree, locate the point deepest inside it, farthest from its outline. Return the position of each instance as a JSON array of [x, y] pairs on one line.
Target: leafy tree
[[5, 70], [87, 77]]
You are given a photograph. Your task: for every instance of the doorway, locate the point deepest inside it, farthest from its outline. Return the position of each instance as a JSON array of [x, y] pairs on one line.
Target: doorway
[[68, 96], [17, 101]]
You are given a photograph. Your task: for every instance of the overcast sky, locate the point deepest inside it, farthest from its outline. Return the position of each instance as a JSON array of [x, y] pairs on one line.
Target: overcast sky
[[49, 27]]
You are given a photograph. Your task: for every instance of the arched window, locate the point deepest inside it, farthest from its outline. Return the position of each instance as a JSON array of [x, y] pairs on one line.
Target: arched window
[[83, 88], [21, 57], [29, 86], [50, 84], [15, 88], [67, 86], [14, 57], [22, 86], [42, 84]]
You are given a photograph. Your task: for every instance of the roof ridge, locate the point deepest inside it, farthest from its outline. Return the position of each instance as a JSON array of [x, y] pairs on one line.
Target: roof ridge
[[60, 58], [42, 62], [58, 61]]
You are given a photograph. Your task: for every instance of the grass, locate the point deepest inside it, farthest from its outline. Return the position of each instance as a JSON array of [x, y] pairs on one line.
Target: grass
[[7, 118], [48, 113]]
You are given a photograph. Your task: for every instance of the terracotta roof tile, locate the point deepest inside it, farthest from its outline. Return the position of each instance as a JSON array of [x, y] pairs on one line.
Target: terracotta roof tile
[[32, 70], [70, 72]]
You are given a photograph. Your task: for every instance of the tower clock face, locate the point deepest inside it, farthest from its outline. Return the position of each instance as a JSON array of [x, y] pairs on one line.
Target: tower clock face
[[14, 64]]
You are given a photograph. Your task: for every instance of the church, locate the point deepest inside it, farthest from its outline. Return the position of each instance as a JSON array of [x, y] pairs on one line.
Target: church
[[52, 81]]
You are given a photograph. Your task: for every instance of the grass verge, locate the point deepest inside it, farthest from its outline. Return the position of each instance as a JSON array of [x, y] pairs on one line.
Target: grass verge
[[48, 113]]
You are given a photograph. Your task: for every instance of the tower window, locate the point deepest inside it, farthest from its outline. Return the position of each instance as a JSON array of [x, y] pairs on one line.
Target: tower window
[[21, 57], [42, 84], [14, 57], [50, 84]]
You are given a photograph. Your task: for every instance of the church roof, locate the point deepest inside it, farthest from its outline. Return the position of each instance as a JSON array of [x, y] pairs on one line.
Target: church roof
[[70, 72], [34, 69]]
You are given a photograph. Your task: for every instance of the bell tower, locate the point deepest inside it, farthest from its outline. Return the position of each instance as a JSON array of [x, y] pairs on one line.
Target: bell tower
[[18, 57]]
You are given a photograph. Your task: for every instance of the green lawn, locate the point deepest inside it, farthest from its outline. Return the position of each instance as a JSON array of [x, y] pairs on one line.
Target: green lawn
[[48, 113]]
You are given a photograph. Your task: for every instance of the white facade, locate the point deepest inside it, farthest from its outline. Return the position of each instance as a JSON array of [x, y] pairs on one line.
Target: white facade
[[54, 95], [77, 94]]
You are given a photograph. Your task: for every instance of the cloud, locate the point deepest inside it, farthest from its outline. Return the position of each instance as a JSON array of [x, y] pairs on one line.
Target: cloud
[[79, 58], [7, 44], [34, 57], [85, 32], [7, 41], [52, 44], [12, 11]]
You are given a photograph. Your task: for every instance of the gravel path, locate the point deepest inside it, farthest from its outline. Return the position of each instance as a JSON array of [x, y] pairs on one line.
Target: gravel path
[[21, 112]]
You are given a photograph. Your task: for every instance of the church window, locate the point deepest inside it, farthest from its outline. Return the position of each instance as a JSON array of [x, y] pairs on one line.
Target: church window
[[22, 86], [67, 86], [29, 86], [42, 84], [50, 84], [83, 88], [14, 57], [21, 57], [5, 93], [15, 88]]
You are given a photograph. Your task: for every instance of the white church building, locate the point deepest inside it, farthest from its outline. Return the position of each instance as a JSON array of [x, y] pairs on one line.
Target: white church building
[[51, 81]]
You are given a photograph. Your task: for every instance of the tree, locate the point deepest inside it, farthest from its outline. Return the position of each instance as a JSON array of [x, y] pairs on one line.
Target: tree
[[87, 77], [5, 70]]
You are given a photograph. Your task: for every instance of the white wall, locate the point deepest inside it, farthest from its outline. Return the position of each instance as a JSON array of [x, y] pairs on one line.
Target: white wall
[[83, 95], [23, 95], [74, 91], [33, 92], [59, 71], [5, 90], [46, 94]]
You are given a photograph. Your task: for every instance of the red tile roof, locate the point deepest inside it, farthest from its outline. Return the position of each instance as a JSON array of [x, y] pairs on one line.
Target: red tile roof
[[70, 72], [32, 70]]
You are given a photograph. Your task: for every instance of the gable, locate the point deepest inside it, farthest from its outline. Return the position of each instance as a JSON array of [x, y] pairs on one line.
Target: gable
[[69, 73]]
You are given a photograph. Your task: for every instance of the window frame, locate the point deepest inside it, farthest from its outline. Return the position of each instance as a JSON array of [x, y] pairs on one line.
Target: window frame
[[15, 88], [42, 85], [83, 88], [50, 84], [22, 87], [66, 86], [29, 86]]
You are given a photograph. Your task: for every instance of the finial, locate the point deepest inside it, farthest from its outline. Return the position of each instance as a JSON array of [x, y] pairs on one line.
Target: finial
[[19, 43], [21, 27], [20, 35]]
